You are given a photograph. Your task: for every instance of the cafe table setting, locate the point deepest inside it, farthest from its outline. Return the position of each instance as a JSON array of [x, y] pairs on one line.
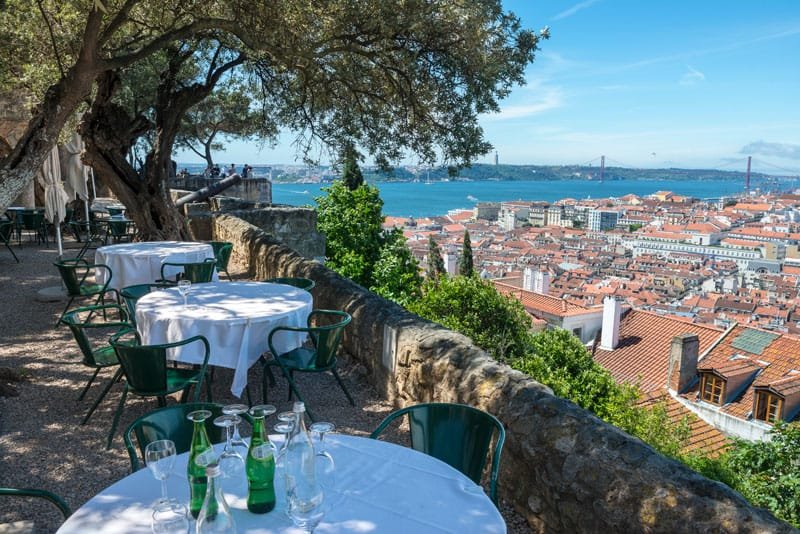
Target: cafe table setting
[[235, 317], [288, 482]]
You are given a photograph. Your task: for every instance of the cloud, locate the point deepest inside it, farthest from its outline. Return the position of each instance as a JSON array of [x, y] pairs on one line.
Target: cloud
[[550, 98], [692, 76], [779, 150], [574, 9]]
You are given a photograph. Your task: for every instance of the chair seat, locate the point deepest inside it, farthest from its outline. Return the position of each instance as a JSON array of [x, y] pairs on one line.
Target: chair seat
[[104, 357], [302, 358], [177, 379], [91, 289]]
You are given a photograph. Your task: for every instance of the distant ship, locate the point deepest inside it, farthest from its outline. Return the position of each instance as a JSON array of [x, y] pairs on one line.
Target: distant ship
[[471, 198]]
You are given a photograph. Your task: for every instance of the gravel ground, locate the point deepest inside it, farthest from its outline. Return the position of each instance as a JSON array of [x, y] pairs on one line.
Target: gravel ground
[[42, 443]]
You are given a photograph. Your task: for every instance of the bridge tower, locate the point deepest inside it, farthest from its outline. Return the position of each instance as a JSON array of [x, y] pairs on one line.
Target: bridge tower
[[747, 178], [602, 168]]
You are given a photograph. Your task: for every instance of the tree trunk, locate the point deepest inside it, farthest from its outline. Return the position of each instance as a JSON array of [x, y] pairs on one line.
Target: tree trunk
[[109, 132], [60, 102], [207, 147]]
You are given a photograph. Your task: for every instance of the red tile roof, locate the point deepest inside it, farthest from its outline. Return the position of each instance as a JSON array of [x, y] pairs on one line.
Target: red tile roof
[[642, 354]]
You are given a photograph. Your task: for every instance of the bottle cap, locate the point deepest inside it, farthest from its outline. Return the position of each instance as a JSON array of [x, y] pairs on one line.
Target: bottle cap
[[299, 407]]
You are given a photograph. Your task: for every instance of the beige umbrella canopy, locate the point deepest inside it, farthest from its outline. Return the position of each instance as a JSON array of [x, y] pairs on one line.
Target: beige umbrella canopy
[[55, 198], [76, 173]]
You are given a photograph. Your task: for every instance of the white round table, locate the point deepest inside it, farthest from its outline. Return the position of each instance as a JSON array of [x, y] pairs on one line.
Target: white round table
[[140, 263], [379, 488], [235, 317]]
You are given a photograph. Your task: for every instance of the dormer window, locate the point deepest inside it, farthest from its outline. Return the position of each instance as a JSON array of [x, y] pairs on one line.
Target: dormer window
[[768, 406], [712, 388]]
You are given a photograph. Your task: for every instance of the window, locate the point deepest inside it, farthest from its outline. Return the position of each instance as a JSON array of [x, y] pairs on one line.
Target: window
[[713, 388], [768, 406]]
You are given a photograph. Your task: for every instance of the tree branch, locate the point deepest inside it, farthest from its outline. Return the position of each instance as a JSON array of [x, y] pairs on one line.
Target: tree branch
[[119, 19], [52, 37]]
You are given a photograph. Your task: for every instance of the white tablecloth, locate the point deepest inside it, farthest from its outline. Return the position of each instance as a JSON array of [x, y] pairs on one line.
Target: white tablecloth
[[379, 488], [235, 317], [140, 263]]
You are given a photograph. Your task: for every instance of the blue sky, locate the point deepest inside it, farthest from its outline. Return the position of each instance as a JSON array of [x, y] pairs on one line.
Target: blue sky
[[651, 84]]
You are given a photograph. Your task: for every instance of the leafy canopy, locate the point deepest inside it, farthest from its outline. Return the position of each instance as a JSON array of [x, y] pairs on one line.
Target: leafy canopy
[[469, 305], [396, 273]]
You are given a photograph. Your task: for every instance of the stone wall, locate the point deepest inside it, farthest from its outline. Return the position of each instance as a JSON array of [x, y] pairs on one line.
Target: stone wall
[[562, 468]]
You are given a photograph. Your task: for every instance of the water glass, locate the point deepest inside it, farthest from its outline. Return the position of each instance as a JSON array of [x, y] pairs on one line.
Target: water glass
[[170, 518], [236, 409], [324, 464]]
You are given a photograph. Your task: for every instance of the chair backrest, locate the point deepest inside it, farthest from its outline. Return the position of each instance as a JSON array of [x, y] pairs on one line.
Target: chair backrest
[[145, 366], [170, 423], [120, 228], [73, 272], [32, 219], [299, 282], [132, 294], [326, 331], [114, 211], [38, 493], [222, 253], [82, 319], [197, 273], [457, 434]]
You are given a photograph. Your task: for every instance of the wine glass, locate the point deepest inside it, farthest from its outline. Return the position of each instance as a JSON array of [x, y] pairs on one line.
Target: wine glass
[[324, 464], [184, 286], [236, 409], [231, 462], [170, 518], [285, 428], [160, 458]]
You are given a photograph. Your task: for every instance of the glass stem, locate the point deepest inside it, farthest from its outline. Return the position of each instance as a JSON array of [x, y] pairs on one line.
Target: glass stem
[[228, 435], [164, 489]]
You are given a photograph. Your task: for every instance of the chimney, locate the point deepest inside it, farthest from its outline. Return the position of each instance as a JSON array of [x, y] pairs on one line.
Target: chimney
[[683, 354], [541, 282], [527, 279], [609, 337]]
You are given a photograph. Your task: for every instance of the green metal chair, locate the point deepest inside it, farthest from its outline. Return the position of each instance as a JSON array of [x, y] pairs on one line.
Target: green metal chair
[[457, 434], [148, 374], [321, 357], [170, 423], [74, 273], [197, 273], [40, 494], [87, 328], [33, 221], [120, 231], [302, 283], [130, 296], [6, 233], [115, 211], [222, 254]]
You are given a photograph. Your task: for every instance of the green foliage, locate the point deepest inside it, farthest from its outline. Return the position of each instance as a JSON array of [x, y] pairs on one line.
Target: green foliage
[[633, 227], [469, 305], [435, 260], [351, 172], [465, 262], [768, 473], [351, 222], [396, 273]]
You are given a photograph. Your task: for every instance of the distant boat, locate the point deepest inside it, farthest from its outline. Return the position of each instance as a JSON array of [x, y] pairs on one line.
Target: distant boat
[[471, 198], [304, 192]]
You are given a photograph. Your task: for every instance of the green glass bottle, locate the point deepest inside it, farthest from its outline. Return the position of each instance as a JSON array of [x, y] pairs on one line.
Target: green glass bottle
[[260, 464], [198, 460]]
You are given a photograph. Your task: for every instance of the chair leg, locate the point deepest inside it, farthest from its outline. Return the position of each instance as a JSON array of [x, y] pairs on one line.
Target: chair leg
[[341, 385], [88, 384], [290, 378], [69, 303], [162, 401], [117, 414], [209, 398], [249, 398], [103, 394]]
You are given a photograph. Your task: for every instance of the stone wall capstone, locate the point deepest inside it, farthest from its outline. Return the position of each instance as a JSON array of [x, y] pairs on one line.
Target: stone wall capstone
[[564, 469]]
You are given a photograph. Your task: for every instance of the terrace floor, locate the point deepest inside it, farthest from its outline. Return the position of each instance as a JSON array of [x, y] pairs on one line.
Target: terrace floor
[[42, 443]]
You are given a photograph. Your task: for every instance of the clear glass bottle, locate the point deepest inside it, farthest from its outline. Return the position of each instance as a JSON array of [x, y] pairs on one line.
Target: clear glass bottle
[[198, 459], [303, 494], [260, 464], [215, 515]]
